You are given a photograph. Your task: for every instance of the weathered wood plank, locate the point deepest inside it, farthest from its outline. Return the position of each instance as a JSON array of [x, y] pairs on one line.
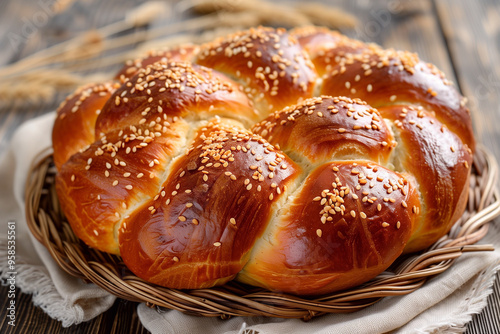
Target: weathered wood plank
[[121, 318], [472, 31]]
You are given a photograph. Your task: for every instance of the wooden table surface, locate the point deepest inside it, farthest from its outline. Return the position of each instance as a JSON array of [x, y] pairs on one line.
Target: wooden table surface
[[461, 37]]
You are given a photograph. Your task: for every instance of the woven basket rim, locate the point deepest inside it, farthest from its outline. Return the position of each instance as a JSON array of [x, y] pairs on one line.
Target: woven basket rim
[[47, 223]]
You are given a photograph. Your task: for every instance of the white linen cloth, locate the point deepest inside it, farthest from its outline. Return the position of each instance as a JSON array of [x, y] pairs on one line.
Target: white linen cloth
[[444, 304]]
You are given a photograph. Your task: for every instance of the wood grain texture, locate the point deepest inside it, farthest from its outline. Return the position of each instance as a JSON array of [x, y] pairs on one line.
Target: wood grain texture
[[472, 33], [32, 319], [461, 37]]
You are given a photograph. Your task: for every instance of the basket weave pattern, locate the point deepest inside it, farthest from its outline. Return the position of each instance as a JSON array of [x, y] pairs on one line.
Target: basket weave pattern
[[48, 224]]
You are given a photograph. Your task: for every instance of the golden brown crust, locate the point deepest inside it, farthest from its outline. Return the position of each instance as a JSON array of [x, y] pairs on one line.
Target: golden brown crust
[[181, 53], [210, 210], [269, 63], [321, 195], [440, 163], [326, 47], [348, 223], [74, 125], [164, 92], [100, 186], [323, 129], [381, 77]]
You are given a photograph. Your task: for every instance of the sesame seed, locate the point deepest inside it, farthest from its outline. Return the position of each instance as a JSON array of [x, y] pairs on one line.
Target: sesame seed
[[182, 218], [115, 182], [379, 207], [217, 244], [384, 224], [232, 221], [398, 224], [393, 98], [195, 221], [128, 187], [319, 233], [362, 215], [176, 259], [353, 213]]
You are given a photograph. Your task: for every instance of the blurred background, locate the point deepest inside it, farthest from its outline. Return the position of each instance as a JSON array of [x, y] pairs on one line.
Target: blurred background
[[49, 47]]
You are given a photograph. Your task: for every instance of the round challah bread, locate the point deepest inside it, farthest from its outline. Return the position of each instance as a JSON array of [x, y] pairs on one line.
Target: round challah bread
[[260, 156]]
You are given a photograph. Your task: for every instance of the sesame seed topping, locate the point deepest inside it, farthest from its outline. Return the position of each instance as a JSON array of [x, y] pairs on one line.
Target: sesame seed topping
[[319, 232], [217, 244], [182, 218]]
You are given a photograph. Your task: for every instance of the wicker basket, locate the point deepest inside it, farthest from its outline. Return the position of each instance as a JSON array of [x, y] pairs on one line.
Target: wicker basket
[[48, 225]]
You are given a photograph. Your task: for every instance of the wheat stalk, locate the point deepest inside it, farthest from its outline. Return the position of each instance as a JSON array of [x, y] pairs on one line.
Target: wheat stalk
[[38, 77]]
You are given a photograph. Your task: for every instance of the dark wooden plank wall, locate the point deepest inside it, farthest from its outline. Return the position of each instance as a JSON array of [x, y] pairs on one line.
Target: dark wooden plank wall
[[461, 37], [472, 32]]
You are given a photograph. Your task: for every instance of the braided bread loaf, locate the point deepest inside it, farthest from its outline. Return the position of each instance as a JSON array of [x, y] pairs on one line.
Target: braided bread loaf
[[261, 157]]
